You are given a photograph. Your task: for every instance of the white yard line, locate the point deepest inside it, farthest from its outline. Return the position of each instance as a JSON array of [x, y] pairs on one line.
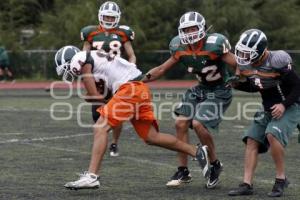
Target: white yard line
[[15, 109], [1, 134], [15, 140]]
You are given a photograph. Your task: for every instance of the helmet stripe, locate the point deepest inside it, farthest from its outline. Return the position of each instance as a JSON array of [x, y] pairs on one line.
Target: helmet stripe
[[192, 16]]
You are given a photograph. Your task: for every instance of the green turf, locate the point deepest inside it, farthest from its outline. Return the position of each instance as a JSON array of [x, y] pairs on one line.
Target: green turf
[[39, 155]]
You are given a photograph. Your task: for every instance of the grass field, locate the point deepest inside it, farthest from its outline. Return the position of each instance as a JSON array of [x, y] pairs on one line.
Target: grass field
[[38, 155]]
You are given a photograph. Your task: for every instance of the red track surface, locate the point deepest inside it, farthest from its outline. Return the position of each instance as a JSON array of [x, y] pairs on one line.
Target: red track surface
[[61, 85]]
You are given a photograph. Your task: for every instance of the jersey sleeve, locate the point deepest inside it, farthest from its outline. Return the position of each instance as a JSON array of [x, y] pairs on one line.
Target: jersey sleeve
[[218, 44], [174, 47], [127, 33], [86, 31]]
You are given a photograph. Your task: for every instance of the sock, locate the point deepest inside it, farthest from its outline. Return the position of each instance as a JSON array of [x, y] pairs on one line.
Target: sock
[[182, 168]]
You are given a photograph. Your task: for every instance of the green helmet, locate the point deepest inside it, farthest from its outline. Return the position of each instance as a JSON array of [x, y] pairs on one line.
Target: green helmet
[[250, 47]]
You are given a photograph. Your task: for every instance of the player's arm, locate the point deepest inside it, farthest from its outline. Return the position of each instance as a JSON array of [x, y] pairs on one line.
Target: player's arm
[[89, 84], [130, 52], [160, 70], [229, 59], [293, 80]]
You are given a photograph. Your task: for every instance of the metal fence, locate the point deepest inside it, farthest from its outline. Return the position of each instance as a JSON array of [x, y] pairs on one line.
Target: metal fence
[[39, 64]]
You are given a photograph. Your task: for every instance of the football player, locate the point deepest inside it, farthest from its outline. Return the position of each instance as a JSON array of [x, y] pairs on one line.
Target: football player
[[202, 106], [131, 101], [271, 74], [5, 65], [114, 39]]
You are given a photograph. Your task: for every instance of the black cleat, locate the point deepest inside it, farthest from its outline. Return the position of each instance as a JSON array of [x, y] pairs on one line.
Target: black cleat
[[278, 187], [243, 189], [215, 172], [202, 157], [180, 177], [113, 150]]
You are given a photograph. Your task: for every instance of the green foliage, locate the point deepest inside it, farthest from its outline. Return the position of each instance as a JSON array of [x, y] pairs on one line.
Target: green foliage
[[55, 23], [58, 22]]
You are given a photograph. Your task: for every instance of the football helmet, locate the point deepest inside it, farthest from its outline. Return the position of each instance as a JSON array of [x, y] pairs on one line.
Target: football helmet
[[110, 9], [250, 47], [63, 59], [191, 19]]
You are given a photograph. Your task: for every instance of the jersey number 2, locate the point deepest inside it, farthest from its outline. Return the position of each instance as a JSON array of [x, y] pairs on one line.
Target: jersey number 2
[[211, 74]]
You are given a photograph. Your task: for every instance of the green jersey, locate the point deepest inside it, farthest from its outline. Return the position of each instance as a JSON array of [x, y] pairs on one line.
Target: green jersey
[[205, 60], [111, 40], [4, 60]]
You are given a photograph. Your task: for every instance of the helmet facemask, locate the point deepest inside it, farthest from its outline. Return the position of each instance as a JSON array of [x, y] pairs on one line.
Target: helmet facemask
[[63, 59], [245, 55], [191, 37], [64, 71]]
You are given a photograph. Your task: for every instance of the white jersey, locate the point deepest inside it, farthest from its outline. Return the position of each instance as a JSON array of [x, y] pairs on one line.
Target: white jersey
[[114, 72]]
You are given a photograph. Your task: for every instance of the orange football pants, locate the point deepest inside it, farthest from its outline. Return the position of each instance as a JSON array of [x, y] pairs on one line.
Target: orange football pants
[[131, 102]]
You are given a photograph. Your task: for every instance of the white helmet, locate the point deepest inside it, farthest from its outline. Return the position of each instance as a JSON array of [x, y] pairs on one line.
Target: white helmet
[[63, 59], [191, 19], [111, 9]]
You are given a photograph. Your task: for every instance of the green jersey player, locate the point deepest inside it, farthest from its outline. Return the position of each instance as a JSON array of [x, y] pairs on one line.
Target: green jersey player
[[202, 106], [114, 39]]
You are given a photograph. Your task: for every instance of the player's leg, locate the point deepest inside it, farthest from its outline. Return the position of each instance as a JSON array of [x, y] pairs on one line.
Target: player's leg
[[182, 175], [208, 115], [184, 112], [278, 132], [1, 73], [148, 131], [9, 74], [90, 178], [256, 142], [114, 149], [277, 152]]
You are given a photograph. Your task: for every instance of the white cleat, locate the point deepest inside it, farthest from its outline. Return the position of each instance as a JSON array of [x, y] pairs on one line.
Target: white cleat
[[86, 180]]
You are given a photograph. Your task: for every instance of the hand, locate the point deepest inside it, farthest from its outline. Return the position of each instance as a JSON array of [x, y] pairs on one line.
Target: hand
[[231, 81], [277, 110]]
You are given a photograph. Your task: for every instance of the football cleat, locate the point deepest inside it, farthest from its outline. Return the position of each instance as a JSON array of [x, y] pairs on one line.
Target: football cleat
[[86, 180], [243, 189], [278, 187], [180, 177], [202, 157], [113, 150], [215, 172]]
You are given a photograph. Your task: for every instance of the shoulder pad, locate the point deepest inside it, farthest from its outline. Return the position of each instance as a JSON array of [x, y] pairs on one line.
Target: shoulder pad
[[174, 45], [85, 31], [280, 59], [129, 33], [217, 43]]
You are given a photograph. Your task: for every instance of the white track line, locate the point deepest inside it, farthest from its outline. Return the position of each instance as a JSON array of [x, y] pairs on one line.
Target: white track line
[[14, 109], [11, 134], [43, 138]]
